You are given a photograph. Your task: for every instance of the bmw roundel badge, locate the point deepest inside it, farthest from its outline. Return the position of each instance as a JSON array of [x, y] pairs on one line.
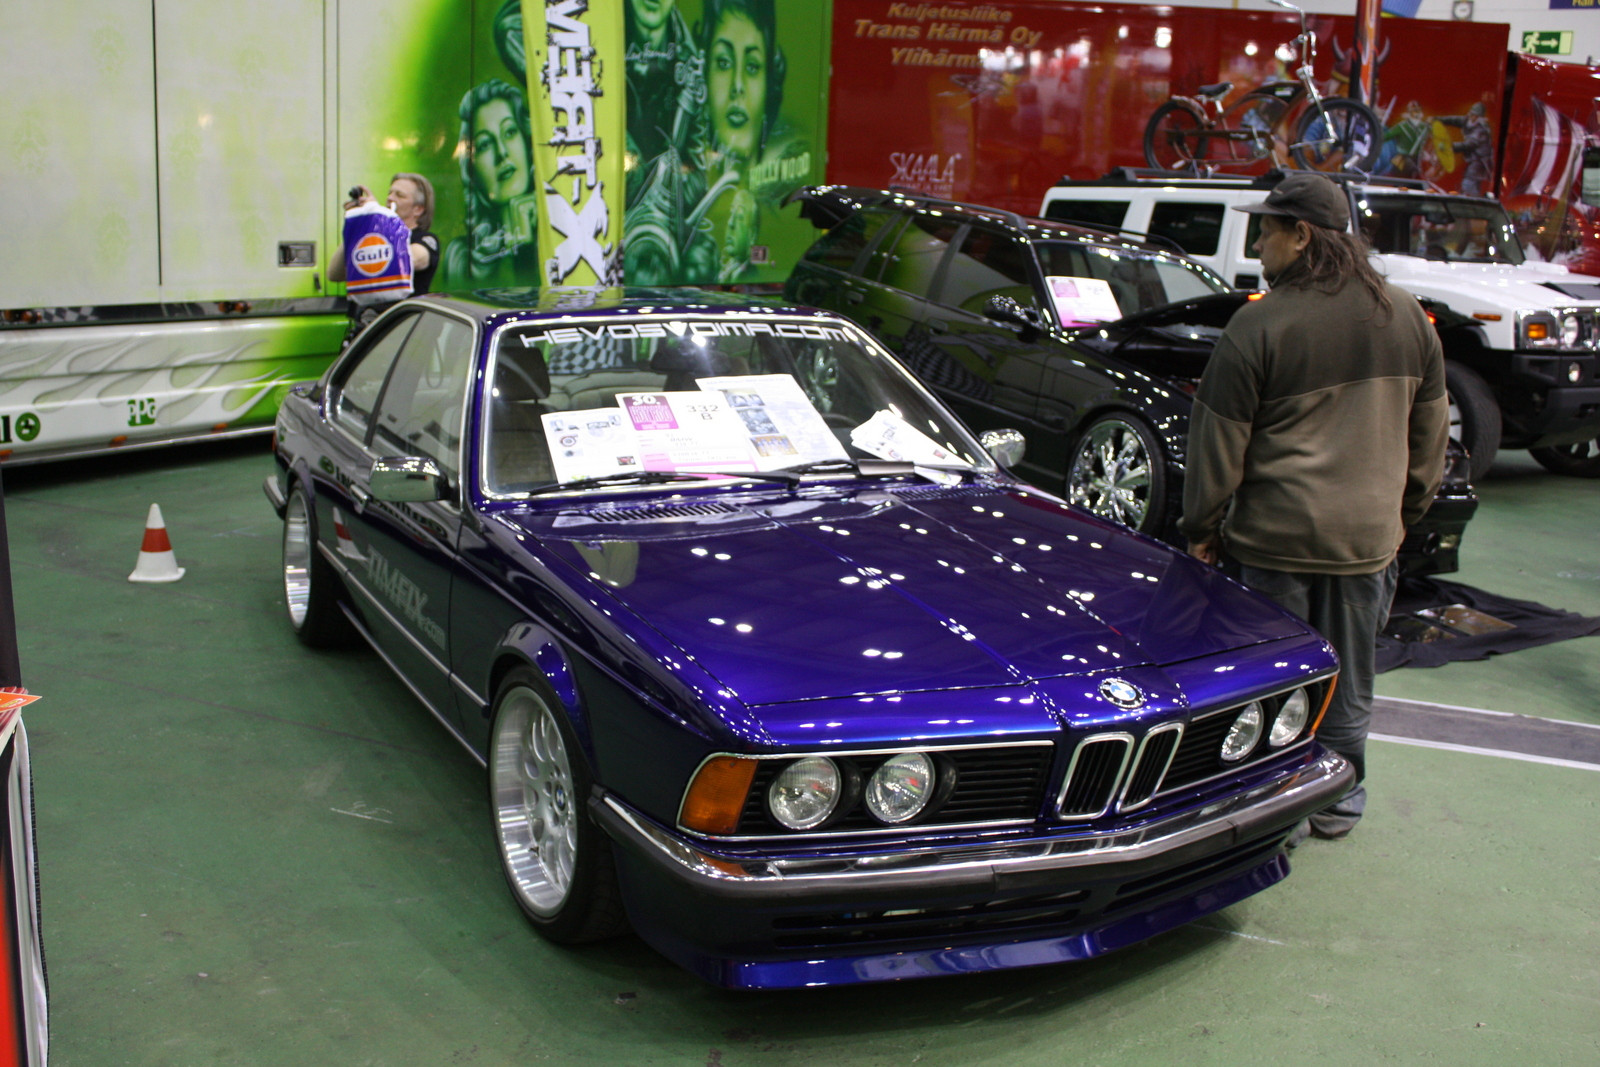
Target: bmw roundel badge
[[1122, 694]]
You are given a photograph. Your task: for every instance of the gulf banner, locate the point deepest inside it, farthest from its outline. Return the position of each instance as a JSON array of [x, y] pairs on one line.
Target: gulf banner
[[575, 88]]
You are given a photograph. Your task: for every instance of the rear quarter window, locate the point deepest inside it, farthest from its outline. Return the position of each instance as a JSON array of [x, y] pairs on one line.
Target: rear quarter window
[[1107, 214], [1195, 228], [841, 246]]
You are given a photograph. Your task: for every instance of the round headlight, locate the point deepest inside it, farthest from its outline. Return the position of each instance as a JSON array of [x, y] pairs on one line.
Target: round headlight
[[1571, 331], [805, 793], [901, 788], [1244, 733], [1291, 719]]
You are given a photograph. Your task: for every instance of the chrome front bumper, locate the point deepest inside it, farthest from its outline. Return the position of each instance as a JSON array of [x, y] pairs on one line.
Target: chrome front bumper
[[996, 868]]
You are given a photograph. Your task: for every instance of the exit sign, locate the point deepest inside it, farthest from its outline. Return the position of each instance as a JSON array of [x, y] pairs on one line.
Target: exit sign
[[1547, 42]]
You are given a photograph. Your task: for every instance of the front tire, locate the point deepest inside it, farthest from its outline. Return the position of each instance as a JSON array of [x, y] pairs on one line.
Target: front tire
[[1174, 138], [1350, 140], [1581, 460], [310, 586], [557, 862], [1118, 471], [1474, 416]]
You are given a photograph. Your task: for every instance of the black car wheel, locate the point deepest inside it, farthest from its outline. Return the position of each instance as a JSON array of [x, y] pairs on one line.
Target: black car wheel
[[310, 587], [1581, 460], [1474, 416], [556, 860], [1118, 471]]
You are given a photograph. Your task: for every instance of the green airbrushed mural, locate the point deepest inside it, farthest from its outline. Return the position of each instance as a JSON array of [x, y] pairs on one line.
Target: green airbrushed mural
[[128, 328], [726, 115]]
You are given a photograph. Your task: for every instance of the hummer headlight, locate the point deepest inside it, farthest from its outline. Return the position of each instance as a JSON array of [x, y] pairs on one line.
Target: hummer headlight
[[1571, 330]]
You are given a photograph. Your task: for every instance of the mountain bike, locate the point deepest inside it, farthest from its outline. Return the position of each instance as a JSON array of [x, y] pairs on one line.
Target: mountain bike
[[1195, 133]]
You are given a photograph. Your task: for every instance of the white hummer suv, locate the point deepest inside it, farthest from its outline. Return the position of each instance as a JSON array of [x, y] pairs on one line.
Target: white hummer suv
[[1521, 337]]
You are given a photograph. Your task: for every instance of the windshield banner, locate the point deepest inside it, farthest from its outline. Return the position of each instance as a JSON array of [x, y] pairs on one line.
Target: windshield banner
[[575, 52]]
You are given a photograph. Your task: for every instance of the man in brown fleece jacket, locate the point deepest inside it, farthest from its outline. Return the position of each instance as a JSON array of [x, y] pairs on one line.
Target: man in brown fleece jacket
[[1318, 436]]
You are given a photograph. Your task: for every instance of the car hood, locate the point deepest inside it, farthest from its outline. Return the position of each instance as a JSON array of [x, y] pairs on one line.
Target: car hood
[[1497, 286], [796, 599]]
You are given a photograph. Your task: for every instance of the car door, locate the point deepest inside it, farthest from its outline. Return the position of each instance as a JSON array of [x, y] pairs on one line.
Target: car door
[[406, 400], [983, 369]]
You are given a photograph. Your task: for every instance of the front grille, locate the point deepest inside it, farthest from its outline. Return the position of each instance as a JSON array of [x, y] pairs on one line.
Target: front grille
[[1200, 755], [999, 784], [1093, 776], [837, 929], [1071, 909], [1150, 765]]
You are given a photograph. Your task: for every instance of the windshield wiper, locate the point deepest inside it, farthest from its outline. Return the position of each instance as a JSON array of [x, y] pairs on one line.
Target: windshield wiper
[[875, 468], [654, 477]]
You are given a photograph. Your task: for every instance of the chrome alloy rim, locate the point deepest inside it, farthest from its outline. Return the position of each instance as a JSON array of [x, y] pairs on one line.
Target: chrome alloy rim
[[297, 559], [534, 807], [1110, 473]]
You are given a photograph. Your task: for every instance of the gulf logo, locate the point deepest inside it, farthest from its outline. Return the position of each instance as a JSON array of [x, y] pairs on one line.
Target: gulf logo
[[372, 254]]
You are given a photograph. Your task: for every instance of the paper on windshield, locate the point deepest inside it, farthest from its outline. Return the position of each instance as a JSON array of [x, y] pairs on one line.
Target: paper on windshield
[[783, 427], [687, 431], [888, 436], [1082, 300], [590, 444]]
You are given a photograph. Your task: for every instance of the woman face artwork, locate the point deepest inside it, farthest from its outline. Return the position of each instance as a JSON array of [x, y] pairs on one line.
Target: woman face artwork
[[500, 159], [737, 84]]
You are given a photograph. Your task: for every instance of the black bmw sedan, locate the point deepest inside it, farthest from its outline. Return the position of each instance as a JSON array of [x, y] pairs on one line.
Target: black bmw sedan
[[1089, 342]]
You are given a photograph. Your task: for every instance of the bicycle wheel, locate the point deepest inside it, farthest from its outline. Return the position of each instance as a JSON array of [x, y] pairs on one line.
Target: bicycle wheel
[[1348, 140], [1174, 138]]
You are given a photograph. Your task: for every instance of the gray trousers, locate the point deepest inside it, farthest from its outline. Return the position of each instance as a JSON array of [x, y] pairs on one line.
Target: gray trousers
[[1348, 610]]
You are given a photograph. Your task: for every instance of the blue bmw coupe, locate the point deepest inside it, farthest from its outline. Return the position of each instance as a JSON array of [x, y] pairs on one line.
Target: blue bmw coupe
[[768, 658]]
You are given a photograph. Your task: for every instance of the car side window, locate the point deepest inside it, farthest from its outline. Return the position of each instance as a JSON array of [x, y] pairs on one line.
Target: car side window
[[840, 247], [1195, 228], [914, 261], [421, 409], [988, 263], [1107, 214], [363, 382]]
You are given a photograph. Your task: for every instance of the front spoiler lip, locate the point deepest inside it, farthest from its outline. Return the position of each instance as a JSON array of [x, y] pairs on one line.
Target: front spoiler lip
[[1193, 835]]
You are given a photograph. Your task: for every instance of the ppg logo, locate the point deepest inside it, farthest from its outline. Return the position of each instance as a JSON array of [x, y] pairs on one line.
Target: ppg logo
[[372, 254]]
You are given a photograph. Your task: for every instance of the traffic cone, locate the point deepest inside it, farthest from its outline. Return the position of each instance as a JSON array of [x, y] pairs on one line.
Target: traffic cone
[[347, 544], [156, 561]]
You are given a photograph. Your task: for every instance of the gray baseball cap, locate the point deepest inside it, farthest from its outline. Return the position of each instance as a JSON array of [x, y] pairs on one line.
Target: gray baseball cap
[[1309, 197]]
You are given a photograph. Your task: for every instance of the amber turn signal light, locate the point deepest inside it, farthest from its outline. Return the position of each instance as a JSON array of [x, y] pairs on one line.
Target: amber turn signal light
[[1326, 700], [716, 796]]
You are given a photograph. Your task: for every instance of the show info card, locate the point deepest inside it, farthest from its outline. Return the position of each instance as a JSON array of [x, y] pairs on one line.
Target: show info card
[[888, 436], [590, 444], [782, 425], [1081, 300], [687, 431]]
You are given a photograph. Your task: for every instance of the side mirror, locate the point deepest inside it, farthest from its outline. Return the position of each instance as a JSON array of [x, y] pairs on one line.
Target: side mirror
[[406, 480], [1006, 446], [1020, 317]]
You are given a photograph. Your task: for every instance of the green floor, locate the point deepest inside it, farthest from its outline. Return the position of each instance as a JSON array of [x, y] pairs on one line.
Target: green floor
[[252, 854]]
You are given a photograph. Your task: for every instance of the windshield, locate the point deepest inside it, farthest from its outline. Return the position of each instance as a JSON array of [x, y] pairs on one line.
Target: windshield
[[1445, 229], [701, 397], [1097, 283]]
